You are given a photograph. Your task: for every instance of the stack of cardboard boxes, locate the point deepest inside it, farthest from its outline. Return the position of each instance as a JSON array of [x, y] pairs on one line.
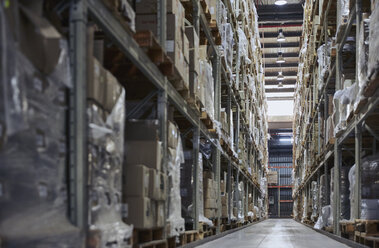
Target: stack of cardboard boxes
[[177, 43], [224, 200], [210, 196], [144, 183], [272, 178]]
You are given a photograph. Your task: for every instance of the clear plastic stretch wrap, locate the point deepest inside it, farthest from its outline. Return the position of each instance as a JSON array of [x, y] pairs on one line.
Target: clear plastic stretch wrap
[[243, 46], [344, 13], [33, 156], [206, 70], [305, 209], [174, 200], [373, 60], [322, 193], [227, 43], [351, 189], [325, 219], [241, 202], [346, 98], [314, 192], [105, 158], [200, 199], [323, 59]]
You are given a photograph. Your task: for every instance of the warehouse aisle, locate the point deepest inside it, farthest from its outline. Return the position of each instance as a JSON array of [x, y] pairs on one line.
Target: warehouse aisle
[[275, 233]]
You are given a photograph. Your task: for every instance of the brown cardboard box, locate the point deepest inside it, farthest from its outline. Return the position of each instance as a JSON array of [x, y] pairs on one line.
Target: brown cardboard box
[[330, 105], [142, 130], [144, 152], [172, 135], [224, 199], [163, 181], [209, 213], [136, 180], [39, 40], [96, 82], [139, 212], [160, 220], [224, 211], [112, 92], [175, 52], [174, 26], [210, 203], [222, 187], [203, 52], [186, 48], [272, 177], [153, 185], [209, 193], [171, 154], [150, 6], [208, 175], [193, 40]]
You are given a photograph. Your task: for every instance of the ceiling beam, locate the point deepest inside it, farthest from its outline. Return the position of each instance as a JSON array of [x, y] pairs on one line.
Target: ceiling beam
[[285, 55], [280, 20], [279, 45], [272, 9], [275, 34], [273, 65], [279, 98], [274, 74], [285, 82], [280, 90]]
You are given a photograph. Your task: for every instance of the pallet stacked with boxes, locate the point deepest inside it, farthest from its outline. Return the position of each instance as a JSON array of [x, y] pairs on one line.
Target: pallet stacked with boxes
[[150, 126], [334, 97]]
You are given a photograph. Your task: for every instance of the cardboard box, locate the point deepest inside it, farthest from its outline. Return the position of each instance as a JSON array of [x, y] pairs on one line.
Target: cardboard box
[[174, 27], [272, 177], [223, 187], [209, 193], [160, 218], [144, 152], [142, 130], [210, 203], [203, 52], [96, 82], [136, 180], [172, 135], [224, 199], [330, 105], [112, 92], [193, 40], [171, 155], [209, 213], [39, 40], [151, 6], [224, 211], [154, 190], [186, 48], [163, 181], [139, 212], [174, 51]]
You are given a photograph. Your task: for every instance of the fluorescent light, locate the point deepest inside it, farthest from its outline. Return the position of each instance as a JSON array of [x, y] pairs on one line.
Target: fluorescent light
[[286, 140], [280, 2], [281, 36], [280, 85], [280, 76], [280, 58]]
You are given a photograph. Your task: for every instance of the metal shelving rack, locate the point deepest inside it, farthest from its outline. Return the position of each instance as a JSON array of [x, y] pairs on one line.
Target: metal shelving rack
[[80, 12], [355, 126]]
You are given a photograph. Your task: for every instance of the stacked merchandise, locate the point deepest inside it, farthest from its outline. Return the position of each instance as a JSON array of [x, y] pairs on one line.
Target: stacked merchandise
[[175, 159], [373, 61], [206, 82], [315, 206], [272, 177], [344, 192], [224, 198], [369, 188], [241, 202], [177, 43], [322, 192], [33, 155], [210, 196], [144, 208]]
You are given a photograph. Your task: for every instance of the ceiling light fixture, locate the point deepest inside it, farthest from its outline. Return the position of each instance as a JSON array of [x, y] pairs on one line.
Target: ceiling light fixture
[[281, 37], [280, 2], [280, 76], [280, 58], [280, 85]]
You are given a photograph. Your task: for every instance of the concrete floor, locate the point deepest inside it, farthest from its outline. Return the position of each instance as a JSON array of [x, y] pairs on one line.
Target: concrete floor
[[275, 233]]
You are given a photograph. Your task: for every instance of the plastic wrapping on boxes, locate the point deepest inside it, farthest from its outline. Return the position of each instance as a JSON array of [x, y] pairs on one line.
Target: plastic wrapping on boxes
[[227, 43], [346, 98], [373, 61], [314, 192], [175, 219], [106, 151], [243, 45], [323, 59], [208, 83], [33, 206], [202, 218], [325, 219]]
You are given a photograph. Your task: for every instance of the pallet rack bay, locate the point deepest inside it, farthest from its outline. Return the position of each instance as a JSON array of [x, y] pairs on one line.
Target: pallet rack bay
[[231, 142], [336, 118]]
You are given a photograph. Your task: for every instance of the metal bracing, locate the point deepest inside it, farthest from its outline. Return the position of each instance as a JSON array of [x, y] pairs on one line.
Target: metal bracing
[[358, 171], [196, 187], [78, 121], [229, 189]]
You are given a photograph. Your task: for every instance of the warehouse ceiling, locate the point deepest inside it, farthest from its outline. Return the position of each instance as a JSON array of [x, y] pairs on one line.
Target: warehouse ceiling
[[273, 19]]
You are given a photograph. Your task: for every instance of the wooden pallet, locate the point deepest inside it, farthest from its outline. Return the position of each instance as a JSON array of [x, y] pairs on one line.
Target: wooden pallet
[[206, 119], [115, 8], [363, 238], [94, 240], [370, 227], [149, 238], [347, 229]]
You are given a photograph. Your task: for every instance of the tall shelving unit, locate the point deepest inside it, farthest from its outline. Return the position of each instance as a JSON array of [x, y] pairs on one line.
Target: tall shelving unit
[[315, 155], [81, 11]]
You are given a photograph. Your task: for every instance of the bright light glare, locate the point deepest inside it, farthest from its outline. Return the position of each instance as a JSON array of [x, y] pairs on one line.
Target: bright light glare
[[280, 108], [286, 140], [280, 2]]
